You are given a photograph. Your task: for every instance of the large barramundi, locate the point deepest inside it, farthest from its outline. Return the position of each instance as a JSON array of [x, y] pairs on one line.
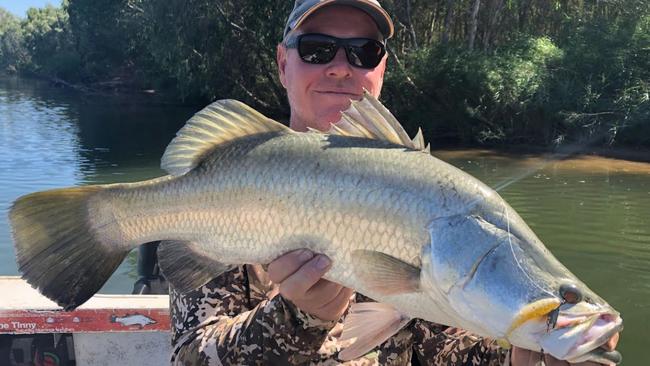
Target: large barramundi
[[423, 238]]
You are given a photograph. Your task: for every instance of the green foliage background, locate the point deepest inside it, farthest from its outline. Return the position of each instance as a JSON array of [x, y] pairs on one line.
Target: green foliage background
[[491, 72]]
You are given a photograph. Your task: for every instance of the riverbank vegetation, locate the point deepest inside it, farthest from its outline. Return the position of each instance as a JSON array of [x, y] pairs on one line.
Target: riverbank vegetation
[[489, 72]]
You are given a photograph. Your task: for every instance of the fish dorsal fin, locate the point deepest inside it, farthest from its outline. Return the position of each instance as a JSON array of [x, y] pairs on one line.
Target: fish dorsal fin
[[418, 141], [369, 118], [219, 122]]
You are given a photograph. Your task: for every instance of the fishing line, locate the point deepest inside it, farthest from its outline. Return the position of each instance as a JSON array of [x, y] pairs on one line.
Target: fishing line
[[512, 250], [561, 152]]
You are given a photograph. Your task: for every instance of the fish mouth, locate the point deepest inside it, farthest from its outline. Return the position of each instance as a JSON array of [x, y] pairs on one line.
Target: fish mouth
[[587, 332], [601, 327]]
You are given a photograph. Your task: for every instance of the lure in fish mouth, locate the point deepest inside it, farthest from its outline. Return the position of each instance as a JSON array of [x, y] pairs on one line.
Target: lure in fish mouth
[[570, 331], [582, 328]]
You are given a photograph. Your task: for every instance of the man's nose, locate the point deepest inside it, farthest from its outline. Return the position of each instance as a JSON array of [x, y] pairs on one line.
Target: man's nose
[[339, 67]]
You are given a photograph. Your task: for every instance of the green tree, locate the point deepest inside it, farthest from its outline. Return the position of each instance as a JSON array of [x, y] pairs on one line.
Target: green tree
[[13, 54], [212, 50], [106, 35], [49, 41], [468, 71]]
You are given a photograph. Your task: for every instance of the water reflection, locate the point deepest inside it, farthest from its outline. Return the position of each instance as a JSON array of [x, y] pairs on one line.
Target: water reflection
[[51, 138], [38, 150]]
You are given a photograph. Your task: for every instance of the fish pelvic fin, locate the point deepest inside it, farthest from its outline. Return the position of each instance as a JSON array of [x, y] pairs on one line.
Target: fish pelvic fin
[[368, 118], [186, 267], [219, 122], [57, 250], [369, 324]]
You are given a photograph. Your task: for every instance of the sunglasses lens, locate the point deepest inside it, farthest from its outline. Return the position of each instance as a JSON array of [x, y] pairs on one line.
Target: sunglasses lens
[[321, 49], [365, 53], [316, 49]]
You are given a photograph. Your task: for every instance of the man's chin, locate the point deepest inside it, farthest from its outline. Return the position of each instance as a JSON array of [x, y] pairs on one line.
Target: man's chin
[[325, 121]]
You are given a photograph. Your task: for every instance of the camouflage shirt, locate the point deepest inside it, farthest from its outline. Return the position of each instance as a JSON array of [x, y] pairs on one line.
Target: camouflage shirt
[[237, 319]]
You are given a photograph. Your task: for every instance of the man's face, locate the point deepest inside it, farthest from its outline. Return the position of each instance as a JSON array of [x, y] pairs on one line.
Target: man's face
[[317, 93]]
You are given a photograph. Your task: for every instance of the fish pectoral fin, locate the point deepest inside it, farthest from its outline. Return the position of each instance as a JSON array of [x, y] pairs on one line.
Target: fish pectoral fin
[[369, 324], [368, 118], [186, 267], [218, 123], [385, 274]]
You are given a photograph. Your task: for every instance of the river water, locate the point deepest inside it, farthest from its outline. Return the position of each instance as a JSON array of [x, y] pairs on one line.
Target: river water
[[592, 213]]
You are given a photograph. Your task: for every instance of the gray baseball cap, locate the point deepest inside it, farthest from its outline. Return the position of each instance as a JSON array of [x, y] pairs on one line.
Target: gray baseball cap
[[302, 9]]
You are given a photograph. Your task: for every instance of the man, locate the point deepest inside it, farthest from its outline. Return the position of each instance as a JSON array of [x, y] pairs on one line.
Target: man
[[289, 314]]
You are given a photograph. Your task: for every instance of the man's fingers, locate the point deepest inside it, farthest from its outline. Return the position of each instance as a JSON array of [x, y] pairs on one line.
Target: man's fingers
[[611, 343], [341, 300], [518, 356], [296, 285], [324, 291], [337, 306], [299, 274], [524, 357], [287, 264]]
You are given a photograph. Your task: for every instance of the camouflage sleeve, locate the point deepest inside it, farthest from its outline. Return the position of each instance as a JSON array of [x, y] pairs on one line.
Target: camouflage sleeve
[[227, 322], [436, 344]]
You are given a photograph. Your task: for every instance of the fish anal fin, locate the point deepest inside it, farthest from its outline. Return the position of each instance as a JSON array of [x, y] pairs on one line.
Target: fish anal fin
[[369, 324], [384, 274], [186, 267]]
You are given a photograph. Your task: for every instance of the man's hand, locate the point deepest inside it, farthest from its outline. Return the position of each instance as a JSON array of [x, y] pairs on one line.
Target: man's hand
[[524, 357], [299, 273]]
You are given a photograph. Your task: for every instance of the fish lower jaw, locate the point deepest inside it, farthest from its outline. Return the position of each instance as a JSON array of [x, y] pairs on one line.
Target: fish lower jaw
[[602, 330]]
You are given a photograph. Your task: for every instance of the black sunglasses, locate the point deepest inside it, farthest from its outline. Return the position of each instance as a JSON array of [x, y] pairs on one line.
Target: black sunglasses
[[315, 48]]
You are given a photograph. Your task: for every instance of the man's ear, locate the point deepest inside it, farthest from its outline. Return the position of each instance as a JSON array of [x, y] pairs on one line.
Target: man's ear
[[281, 59], [383, 65], [382, 70]]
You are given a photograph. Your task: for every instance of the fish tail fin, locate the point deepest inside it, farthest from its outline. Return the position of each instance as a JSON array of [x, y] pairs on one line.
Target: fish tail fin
[[57, 250]]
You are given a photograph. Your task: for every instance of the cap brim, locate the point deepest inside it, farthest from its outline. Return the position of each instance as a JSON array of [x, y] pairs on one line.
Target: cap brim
[[379, 15]]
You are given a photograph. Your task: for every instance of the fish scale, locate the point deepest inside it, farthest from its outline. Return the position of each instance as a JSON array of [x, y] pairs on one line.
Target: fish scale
[[241, 223]]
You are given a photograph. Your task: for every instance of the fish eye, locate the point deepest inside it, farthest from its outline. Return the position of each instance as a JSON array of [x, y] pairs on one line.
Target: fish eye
[[570, 293]]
